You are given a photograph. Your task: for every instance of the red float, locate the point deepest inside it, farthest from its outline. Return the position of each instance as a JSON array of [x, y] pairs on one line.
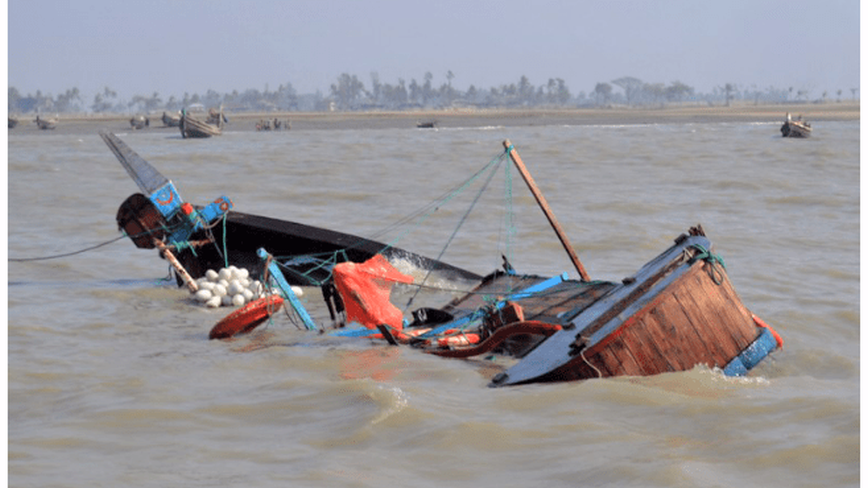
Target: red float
[[247, 317]]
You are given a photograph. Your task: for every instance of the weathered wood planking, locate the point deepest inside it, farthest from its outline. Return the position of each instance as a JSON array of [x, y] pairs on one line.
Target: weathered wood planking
[[694, 321]]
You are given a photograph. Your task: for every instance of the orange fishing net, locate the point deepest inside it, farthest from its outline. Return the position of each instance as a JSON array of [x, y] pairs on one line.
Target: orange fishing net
[[365, 289]]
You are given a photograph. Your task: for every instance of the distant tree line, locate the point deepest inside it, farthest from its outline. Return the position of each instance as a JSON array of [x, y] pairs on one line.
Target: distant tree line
[[349, 93]]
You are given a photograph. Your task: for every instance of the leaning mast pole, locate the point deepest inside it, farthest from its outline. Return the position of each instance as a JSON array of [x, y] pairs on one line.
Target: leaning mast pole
[[541, 200]]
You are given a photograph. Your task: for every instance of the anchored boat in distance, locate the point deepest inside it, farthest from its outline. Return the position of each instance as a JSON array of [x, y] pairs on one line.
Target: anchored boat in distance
[[795, 128]]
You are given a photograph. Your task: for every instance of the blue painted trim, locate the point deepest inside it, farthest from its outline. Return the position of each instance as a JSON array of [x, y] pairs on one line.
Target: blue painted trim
[[525, 293], [166, 199], [752, 354], [467, 319], [277, 276], [212, 211], [354, 332]]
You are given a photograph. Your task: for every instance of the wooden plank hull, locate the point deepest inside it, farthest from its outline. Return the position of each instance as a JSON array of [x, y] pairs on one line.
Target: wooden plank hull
[[793, 128], [194, 128], [674, 315], [44, 124], [170, 120]]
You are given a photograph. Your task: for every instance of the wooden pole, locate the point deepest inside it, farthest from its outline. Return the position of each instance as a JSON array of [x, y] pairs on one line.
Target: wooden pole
[[541, 200], [185, 276]]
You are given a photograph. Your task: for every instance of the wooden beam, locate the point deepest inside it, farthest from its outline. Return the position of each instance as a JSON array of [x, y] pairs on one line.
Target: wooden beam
[[540, 199]]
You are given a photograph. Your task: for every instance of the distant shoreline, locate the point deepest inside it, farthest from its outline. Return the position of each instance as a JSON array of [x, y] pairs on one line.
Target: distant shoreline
[[246, 121]]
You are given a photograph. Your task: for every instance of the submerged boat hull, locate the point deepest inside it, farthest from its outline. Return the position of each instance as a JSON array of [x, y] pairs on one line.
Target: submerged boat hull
[[678, 312], [306, 253]]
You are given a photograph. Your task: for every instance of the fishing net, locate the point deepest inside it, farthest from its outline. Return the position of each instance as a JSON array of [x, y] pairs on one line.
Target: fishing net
[[365, 289]]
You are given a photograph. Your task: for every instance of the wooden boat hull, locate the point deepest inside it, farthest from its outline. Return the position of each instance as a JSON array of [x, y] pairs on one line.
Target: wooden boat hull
[[139, 122], [677, 312], [796, 129], [43, 124], [195, 128], [306, 253], [171, 121]]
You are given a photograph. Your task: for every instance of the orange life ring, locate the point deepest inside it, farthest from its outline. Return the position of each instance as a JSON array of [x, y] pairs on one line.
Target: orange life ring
[[247, 317]]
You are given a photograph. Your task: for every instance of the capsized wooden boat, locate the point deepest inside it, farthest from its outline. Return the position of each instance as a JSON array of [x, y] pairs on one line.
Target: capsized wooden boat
[[192, 127], [211, 236], [679, 311], [795, 128]]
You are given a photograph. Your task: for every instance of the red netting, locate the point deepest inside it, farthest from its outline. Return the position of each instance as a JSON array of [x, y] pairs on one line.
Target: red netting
[[365, 289]]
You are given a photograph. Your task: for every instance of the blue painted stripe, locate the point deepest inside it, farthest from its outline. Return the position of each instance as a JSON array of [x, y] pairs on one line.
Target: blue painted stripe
[[354, 332], [476, 315], [752, 354], [467, 319]]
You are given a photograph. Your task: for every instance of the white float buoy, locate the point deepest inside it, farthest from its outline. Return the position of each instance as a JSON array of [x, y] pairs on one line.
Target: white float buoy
[[234, 288], [203, 295], [219, 290]]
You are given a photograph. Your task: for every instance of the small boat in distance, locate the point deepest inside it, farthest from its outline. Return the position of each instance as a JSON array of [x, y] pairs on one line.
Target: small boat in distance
[[795, 128], [139, 122], [12, 122], [426, 125], [46, 124], [192, 127], [171, 120]]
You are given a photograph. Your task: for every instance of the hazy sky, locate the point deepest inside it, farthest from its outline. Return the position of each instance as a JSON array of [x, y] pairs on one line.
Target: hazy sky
[[173, 47]]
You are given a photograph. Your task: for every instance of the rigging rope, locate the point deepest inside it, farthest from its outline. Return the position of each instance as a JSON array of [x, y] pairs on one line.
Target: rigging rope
[[168, 230], [56, 256], [458, 227]]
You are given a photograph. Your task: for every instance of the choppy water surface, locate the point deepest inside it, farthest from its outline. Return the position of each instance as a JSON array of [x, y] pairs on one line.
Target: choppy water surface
[[113, 382]]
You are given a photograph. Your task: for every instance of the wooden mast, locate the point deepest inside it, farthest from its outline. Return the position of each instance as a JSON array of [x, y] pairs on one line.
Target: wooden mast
[[540, 199]]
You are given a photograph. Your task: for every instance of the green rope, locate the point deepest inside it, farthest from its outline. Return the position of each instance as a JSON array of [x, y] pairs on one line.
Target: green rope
[[457, 228], [712, 259], [180, 246], [423, 214]]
